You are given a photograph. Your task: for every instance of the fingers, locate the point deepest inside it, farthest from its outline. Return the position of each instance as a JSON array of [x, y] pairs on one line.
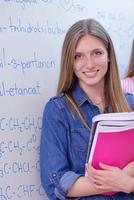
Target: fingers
[[105, 173], [108, 177], [93, 173], [107, 167], [102, 166], [91, 170]]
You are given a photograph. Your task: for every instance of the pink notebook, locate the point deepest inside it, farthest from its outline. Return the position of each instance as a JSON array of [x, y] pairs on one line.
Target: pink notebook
[[115, 148], [112, 142]]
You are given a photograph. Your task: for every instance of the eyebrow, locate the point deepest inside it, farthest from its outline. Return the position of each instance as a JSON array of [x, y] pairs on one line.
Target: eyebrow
[[96, 49]]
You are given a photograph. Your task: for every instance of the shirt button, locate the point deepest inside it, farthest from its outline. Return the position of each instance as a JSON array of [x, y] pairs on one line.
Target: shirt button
[[54, 175]]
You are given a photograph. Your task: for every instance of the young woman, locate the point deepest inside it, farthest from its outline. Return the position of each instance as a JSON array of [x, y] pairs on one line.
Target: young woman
[[89, 84], [128, 81]]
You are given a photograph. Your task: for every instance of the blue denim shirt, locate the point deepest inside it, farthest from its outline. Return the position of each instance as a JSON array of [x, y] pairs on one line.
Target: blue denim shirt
[[64, 144]]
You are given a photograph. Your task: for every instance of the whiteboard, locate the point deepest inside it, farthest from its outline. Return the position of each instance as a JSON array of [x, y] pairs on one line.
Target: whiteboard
[[31, 36]]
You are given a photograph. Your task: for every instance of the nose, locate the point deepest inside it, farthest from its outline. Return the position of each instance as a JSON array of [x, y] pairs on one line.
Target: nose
[[89, 61]]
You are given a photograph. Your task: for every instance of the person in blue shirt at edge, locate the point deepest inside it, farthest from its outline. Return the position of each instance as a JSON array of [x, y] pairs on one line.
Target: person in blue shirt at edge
[[89, 84]]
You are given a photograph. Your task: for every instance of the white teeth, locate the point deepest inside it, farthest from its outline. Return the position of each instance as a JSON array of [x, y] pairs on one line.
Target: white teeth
[[91, 74]]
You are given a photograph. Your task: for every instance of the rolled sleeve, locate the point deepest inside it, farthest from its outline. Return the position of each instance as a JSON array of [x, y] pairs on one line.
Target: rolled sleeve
[[56, 176], [65, 183]]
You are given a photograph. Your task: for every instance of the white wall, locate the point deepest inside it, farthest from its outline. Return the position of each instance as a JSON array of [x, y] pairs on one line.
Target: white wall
[[31, 35]]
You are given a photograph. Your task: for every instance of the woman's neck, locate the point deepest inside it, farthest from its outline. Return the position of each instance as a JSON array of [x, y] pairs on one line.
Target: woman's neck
[[95, 94]]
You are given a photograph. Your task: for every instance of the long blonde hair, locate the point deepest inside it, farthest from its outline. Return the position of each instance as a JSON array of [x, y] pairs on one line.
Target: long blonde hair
[[113, 92], [130, 71]]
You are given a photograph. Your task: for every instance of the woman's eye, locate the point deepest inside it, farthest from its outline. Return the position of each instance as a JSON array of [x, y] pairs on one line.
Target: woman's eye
[[97, 53], [78, 56]]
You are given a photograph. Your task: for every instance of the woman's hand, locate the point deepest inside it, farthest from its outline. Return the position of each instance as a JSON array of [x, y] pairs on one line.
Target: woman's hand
[[129, 169], [110, 178]]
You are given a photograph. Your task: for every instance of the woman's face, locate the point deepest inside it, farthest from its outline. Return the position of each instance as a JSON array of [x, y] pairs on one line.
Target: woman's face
[[91, 61]]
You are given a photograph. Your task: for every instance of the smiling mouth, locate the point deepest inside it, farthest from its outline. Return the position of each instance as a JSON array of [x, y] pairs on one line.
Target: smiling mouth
[[91, 74]]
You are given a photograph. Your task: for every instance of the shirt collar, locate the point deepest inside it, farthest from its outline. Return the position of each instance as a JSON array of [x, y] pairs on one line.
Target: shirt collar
[[79, 95]]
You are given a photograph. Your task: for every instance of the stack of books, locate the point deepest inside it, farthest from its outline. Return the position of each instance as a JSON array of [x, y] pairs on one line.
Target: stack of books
[[112, 140]]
